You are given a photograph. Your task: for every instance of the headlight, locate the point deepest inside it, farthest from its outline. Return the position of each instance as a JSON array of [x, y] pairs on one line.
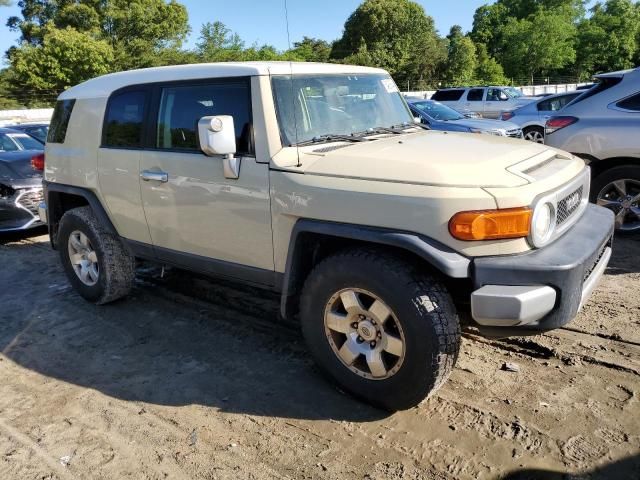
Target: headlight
[[542, 224]]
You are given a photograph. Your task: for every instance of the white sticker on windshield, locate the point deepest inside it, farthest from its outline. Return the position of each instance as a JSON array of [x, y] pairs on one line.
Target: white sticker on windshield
[[389, 85]]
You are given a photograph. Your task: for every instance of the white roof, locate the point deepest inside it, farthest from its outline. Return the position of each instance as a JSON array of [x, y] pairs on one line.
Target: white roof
[[103, 86]]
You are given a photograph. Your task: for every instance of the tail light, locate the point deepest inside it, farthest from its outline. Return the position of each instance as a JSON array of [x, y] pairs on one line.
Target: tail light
[[507, 116], [37, 162], [556, 123]]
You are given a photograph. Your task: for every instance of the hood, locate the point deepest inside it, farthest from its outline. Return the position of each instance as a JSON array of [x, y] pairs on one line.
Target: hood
[[15, 168], [428, 158], [485, 124]]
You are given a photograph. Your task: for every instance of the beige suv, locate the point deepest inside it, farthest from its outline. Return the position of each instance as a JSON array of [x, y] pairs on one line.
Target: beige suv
[[313, 180]]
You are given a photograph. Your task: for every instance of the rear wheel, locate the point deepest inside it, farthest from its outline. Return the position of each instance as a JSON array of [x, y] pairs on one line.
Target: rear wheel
[[381, 329], [534, 134], [618, 189], [99, 267]]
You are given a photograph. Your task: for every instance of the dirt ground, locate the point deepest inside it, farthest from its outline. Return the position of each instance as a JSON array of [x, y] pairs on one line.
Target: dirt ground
[[189, 378]]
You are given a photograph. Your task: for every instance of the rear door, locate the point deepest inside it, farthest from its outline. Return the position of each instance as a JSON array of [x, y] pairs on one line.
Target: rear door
[[475, 100], [194, 213], [119, 161]]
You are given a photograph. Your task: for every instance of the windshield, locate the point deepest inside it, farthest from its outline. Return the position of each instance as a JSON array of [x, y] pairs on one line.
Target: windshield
[[437, 111], [311, 106], [27, 142], [513, 92]]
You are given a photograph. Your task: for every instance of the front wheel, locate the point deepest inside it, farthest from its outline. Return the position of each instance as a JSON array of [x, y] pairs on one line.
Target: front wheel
[[618, 189], [381, 329]]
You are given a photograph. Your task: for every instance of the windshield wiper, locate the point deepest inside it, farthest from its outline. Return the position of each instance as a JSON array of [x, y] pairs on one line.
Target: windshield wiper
[[396, 129], [330, 137]]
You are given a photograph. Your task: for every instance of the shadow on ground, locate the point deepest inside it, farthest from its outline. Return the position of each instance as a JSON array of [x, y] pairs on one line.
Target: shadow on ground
[[625, 469], [161, 347]]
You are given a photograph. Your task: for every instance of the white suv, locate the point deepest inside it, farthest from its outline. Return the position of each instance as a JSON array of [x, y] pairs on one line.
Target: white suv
[[486, 101]]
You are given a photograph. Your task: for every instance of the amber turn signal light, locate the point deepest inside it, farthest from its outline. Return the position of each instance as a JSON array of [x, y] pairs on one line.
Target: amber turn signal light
[[491, 224]]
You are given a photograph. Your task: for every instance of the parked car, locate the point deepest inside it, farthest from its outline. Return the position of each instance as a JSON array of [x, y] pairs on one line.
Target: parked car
[[532, 117], [38, 131], [487, 101], [602, 126], [313, 180], [440, 117], [20, 183]]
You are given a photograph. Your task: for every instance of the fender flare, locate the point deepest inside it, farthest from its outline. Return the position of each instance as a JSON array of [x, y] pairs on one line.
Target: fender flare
[[446, 260]]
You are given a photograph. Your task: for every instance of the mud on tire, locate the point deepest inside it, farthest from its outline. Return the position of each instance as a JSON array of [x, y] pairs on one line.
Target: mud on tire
[[418, 302], [116, 265]]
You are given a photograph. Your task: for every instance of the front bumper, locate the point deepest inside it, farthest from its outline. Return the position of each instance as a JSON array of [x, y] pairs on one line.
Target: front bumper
[[19, 209], [544, 289]]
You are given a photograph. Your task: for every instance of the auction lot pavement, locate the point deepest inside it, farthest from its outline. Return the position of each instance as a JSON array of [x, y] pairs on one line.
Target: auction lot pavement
[[190, 378]]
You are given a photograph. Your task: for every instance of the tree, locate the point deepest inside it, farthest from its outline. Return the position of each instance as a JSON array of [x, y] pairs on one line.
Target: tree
[[539, 44], [137, 30], [488, 70], [217, 43], [609, 38], [393, 34], [311, 50], [461, 58], [65, 58]]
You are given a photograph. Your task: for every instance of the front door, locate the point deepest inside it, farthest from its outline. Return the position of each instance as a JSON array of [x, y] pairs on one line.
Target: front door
[[196, 215]]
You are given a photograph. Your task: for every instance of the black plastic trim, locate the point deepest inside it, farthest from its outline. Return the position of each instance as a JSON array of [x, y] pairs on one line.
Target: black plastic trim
[[561, 265], [446, 260], [207, 266]]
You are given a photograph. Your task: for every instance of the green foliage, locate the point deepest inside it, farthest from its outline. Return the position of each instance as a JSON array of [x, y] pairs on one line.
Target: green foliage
[[610, 38], [461, 60], [488, 70], [311, 50], [65, 58], [393, 34]]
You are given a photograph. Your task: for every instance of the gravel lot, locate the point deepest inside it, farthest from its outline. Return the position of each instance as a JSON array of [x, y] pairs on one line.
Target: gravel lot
[[189, 378]]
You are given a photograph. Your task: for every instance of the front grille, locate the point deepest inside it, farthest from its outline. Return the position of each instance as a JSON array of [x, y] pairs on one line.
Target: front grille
[[515, 133], [592, 267], [569, 205], [30, 200]]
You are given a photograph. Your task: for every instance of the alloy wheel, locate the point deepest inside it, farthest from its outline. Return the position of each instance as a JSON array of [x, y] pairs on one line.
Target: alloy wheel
[[623, 198], [364, 333], [534, 136], [83, 258]]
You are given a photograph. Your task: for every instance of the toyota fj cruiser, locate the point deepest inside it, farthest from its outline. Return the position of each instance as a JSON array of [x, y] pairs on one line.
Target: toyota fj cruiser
[[314, 180]]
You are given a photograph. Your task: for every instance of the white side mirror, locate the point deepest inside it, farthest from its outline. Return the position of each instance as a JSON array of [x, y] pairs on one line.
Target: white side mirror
[[218, 137]]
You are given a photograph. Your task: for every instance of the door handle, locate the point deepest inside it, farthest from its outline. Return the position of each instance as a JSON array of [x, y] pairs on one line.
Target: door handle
[[148, 175]]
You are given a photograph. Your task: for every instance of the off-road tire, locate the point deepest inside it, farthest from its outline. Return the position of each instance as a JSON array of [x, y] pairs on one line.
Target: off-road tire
[[422, 306], [116, 264]]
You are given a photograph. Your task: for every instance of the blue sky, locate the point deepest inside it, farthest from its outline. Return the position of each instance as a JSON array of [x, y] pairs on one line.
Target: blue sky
[[262, 21]]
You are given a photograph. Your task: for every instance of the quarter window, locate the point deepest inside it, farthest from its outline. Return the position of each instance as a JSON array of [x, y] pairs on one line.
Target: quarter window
[[182, 107], [475, 95], [124, 120], [60, 121], [447, 95], [630, 103]]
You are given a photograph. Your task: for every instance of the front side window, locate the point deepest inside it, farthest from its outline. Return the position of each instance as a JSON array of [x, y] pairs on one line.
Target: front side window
[[631, 103], [475, 95], [60, 121], [123, 123], [496, 95], [181, 108], [310, 106]]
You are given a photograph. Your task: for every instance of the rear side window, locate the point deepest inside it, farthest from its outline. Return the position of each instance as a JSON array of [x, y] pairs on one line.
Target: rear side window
[[60, 121], [555, 104], [123, 122], [447, 95], [631, 103], [182, 107], [475, 95]]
